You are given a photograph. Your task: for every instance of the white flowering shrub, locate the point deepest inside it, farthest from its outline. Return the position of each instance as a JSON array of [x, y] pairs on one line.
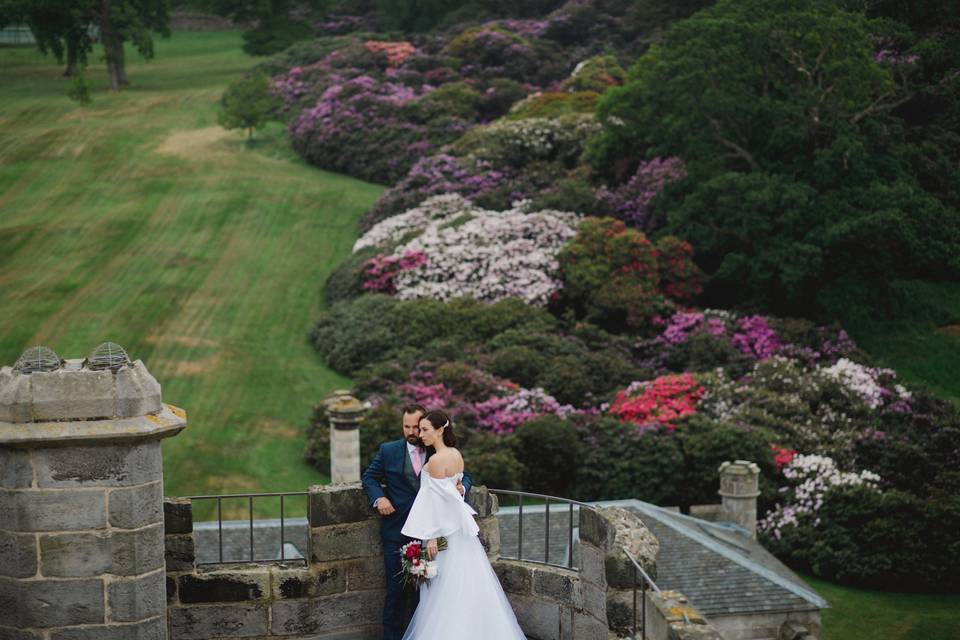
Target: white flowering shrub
[[432, 214], [810, 477], [865, 382], [518, 142], [474, 252]]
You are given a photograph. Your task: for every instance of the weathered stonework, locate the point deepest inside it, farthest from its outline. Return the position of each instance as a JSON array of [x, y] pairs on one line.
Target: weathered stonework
[[81, 495], [739, 488]]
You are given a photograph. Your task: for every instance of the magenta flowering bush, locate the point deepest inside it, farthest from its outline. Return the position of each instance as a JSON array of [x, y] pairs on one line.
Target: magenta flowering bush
[[633, 201], [380, 271], [492, 404]]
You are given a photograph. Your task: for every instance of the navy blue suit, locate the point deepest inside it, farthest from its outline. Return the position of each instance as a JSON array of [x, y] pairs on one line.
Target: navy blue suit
[[393, 468]]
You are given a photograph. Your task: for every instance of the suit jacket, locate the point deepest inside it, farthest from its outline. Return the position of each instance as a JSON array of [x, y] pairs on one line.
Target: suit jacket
[[392, 467]]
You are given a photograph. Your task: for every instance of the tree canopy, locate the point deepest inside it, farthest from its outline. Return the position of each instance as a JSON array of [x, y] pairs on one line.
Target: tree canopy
[[802, 175]]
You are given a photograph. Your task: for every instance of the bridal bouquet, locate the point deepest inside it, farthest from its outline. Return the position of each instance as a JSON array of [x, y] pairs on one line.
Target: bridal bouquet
[[416, 567]]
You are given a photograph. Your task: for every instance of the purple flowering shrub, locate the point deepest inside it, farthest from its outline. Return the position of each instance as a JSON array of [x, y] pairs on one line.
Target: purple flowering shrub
[[633, 201]]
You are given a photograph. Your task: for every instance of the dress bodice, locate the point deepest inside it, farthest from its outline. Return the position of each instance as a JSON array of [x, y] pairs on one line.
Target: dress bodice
[[439, 509]]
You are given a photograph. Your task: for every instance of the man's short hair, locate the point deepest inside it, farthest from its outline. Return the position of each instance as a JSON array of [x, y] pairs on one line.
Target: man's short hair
[[413, 407]]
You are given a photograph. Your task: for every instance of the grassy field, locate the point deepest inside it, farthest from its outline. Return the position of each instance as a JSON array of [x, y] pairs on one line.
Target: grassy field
[[860, 614], [137, 219]]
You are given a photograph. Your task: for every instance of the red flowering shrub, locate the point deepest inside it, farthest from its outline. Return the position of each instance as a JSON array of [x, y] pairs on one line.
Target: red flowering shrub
[[614, 276], [680, 278], [662, 401], [782, 456], [396, 52]]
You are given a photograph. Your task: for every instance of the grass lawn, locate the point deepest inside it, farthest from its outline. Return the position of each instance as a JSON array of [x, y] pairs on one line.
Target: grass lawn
[[137, 219], [859, 614], [921, 339]]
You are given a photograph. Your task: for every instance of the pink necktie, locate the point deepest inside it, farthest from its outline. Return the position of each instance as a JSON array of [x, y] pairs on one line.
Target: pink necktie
[[417, 463]]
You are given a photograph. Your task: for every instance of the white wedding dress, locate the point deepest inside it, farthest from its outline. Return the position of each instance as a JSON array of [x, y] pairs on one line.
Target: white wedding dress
[[464, 600]]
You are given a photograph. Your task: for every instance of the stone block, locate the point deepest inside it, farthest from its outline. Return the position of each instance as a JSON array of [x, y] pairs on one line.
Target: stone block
[[515, 577], [558, 584], [490, 535], [171, 589], [136, 507], [15, 397], [539, 620], [51, 603], [594, 599], [629, 533], [138, 392], [153, 629], [580, 626], [201, 622], [79, 510], [592, 565], [76, 554], [122, 553], [9, 633], [18, 554], [72, 395], [179, 552], [620, 609], [596, 529], [223, 586], [16, 472], [339, 504], [366, 573], [345, 541], [292, 617], [134, 599], [99, 465], [482, 501], [177, 515], [314, 581]]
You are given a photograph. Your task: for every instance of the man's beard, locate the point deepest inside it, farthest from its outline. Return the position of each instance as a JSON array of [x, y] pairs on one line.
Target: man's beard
[[414, 440]]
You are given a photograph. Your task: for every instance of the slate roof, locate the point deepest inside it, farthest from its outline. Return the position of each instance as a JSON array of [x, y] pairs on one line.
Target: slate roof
[[717, 566]]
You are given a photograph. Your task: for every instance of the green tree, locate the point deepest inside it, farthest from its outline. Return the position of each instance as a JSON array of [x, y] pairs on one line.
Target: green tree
[[802, 178], [247, 104]]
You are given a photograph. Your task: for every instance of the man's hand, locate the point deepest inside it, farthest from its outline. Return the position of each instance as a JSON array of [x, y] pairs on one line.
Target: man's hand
[[460, 488], [432, 549], [384, 506]]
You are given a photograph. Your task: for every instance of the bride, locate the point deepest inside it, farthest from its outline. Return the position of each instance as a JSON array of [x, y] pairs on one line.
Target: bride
[[465, 597]]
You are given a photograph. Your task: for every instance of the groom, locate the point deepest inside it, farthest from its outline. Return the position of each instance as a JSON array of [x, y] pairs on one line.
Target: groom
[[398, 465]]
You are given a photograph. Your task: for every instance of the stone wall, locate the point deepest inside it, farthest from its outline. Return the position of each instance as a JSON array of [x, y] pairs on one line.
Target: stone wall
[[796, 625], [671, 617], [340, 590]]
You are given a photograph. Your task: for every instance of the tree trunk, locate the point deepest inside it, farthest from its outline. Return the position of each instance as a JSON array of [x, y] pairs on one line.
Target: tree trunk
[[109, 38], [121, 64], [73, 53]]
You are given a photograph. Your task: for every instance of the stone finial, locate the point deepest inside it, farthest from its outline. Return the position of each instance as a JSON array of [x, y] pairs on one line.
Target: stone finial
[[739, 488], [76, 390], [345, 413]]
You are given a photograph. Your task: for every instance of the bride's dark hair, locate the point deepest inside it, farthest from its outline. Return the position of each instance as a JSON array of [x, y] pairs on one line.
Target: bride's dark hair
[[439, 420]]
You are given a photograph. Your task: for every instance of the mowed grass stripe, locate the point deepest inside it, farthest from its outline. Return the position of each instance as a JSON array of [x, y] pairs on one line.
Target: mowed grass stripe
[[136, 219]]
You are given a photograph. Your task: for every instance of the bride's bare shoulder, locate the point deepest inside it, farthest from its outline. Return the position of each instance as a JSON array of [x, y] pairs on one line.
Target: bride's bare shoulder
[[446, 463]]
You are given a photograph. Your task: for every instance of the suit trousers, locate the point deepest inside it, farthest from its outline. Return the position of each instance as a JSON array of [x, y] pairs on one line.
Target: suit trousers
[[400, 601]]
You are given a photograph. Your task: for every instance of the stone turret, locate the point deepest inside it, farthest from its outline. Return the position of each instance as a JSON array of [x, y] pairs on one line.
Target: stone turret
[[739, 488], [346, 414], [81, 498]]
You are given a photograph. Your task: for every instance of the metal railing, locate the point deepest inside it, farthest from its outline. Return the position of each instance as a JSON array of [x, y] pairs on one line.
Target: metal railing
[[572, 505], [250, 497], [645, 582]]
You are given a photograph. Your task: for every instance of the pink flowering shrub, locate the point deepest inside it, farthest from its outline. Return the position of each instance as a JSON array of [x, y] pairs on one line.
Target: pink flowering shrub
[[381, 270]]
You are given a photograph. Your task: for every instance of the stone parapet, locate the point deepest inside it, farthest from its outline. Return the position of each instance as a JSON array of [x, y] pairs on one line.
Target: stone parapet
[[671, 617]]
